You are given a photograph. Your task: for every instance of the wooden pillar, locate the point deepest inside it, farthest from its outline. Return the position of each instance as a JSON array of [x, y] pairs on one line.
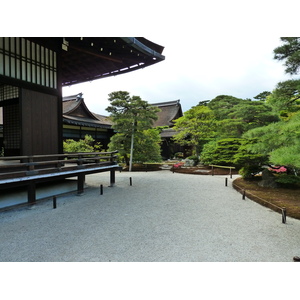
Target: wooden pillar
[[112, 177], [31, 193], [80, 183]]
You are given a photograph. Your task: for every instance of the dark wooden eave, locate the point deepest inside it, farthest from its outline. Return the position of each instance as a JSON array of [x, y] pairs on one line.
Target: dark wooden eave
[[90, 58]]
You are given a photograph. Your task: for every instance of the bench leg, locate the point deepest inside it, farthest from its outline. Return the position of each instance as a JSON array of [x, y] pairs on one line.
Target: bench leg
[[80, 184], [31, 193]]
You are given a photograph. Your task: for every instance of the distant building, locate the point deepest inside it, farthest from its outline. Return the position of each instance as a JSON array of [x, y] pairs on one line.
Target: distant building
[[170, 111], [79, 121]]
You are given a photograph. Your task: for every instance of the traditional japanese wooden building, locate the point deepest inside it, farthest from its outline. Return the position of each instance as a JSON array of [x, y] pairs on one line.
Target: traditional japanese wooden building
[[169, 112], [79, 121], [34, 70]]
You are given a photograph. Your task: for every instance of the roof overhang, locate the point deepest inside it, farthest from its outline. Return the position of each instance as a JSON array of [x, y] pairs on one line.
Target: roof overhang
[[87, 59], [71, 120]]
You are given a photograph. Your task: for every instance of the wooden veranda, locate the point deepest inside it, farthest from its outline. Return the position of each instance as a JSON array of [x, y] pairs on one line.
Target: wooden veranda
[[28, 171]]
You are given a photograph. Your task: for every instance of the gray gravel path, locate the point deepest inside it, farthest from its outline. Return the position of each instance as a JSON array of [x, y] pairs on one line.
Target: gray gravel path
[[161, 217]]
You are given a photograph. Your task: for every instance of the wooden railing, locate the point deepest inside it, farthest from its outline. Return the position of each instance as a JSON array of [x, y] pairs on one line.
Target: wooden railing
[[31, 170], [20, 166], [224, 167]]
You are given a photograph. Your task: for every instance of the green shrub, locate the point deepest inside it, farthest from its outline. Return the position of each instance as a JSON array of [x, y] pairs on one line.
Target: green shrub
[[86, 145], [220, 152], [248, 172], [288, 181], [178, 155], [194, 158]]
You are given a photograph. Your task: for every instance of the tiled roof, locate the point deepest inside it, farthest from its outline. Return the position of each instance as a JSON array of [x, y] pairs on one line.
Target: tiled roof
[[170, 111], [76, 112], [74, 109]]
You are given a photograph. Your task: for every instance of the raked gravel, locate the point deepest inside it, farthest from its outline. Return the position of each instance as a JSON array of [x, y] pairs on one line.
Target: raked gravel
[[161, 217]]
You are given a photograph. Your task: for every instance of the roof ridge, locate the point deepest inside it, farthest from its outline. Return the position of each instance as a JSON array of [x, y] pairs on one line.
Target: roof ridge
[[166, 103], [73, 97]]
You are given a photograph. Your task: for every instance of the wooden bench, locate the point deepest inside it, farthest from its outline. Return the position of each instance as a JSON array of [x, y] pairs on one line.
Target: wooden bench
[[31, 170]]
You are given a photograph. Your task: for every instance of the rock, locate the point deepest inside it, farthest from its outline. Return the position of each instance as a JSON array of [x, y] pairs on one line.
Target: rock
[[268, 179], [189, 163]]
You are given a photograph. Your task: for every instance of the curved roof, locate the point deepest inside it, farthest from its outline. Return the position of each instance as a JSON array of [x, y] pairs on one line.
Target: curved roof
[[88, 58], [75, 112], [170, 111]]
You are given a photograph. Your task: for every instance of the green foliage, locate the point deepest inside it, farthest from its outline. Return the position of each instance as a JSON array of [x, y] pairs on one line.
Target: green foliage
[[253, 114], [285, 98], [220, 152], [279, 141], [288, 181], [235, 116], [246, 158], [120, 142], [195, 128], [229, 128], [265, 139], [262, 96], [203, 103], [287, 156], [86, 145], [290, 53], [178, 155], [249, 163], [130, 113], [249, 171], [195, 158], [146, 146], [133, 116], [223, 105]]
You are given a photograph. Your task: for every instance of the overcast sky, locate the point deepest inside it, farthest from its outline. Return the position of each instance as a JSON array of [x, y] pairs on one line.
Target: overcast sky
[[211, 47], [195, 69]]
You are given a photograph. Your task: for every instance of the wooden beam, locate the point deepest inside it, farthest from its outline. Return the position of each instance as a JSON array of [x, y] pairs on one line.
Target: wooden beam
[[96, 54]]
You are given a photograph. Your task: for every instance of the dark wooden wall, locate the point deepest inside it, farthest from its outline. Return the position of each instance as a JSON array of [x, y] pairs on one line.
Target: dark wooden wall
[[40, 123]]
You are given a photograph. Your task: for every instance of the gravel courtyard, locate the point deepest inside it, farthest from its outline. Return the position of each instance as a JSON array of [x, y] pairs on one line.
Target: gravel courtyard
[[161, 217]]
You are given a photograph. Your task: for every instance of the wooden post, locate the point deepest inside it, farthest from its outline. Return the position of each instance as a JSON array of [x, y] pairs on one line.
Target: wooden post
[[212, 170], [112, 177], [54, 202], [31, 193], [244, 195], [283, 215], [80, 184], [226, 181]]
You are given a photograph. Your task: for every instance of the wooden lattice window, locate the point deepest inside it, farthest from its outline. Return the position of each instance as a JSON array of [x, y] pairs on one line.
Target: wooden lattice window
[[11, 128], [8, 92], [28, 61]]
